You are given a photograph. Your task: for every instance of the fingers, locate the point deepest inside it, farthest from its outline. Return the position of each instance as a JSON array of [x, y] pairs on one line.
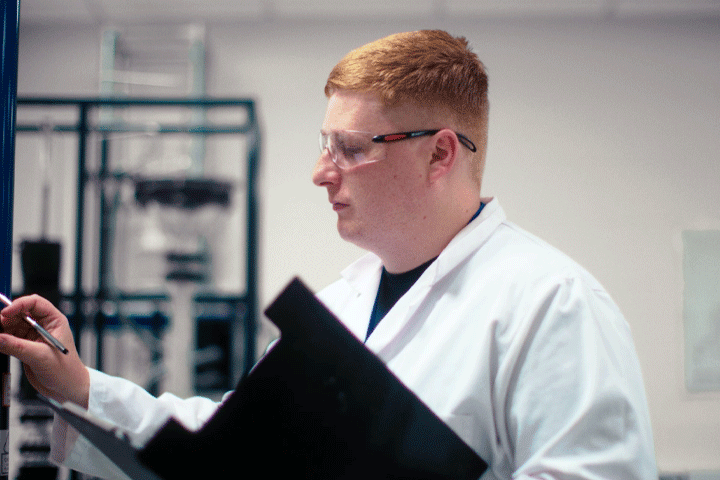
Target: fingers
[[13, 317], [33, 305], [27, 351], [53, 374]]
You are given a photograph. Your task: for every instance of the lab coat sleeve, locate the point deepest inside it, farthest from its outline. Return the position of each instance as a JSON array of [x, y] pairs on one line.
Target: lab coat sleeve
[[131, 407], [573, 398]]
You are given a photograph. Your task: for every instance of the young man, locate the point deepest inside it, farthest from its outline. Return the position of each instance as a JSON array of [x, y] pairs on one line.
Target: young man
[[511, 343]]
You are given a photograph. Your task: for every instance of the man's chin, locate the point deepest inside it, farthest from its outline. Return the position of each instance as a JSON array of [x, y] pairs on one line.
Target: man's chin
[[351, 234], [346, 233]]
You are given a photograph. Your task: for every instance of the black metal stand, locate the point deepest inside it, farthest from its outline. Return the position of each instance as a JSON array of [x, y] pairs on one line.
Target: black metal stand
[[88, 124]]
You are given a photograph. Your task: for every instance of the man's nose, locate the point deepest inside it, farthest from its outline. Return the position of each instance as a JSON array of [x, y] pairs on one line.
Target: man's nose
[[325, 171]]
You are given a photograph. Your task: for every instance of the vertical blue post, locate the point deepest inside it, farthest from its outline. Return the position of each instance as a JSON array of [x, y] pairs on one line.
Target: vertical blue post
[[8, 93]]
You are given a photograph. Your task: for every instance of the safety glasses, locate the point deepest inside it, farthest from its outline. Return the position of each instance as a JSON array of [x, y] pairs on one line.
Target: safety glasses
[[350, 148]]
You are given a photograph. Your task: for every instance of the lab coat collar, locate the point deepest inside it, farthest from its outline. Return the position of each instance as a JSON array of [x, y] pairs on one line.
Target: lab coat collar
[[470, 238]]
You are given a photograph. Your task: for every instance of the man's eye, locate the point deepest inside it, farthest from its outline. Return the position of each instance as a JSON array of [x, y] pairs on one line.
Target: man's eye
[[351, 152], [352, 149]]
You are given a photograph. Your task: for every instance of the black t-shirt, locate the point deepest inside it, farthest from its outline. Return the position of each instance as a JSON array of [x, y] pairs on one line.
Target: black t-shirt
[[392, 287]]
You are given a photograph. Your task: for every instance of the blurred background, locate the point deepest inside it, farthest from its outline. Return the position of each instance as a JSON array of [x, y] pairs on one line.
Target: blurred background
[[604, 141]]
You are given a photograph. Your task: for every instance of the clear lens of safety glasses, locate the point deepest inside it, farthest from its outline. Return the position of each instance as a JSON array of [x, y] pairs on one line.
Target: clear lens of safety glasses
[[348, 148]]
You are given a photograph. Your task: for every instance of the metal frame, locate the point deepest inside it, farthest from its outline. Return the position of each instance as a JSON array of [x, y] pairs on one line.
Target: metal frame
[[84, 127]]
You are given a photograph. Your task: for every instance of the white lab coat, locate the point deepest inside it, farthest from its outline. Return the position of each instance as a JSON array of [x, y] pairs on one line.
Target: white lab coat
[[511, 343], [518, 349]]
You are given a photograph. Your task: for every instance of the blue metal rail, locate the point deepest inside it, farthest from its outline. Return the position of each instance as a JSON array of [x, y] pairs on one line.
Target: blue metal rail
[[8, 90]]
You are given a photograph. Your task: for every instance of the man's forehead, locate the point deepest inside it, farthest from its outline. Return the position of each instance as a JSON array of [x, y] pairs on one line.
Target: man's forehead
[[350, 110], [347, 110]]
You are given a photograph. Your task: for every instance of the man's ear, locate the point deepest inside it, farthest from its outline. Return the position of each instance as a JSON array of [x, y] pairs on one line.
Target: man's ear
[[444, 154]]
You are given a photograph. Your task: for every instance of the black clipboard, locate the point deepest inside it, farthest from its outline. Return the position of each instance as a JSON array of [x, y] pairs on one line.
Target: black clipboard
[[318, 406]]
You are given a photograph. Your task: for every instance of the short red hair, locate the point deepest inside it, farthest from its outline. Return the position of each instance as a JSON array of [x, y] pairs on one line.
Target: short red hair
[[428, 68]]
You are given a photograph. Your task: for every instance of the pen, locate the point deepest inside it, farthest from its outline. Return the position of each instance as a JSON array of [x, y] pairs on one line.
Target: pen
[[45, 334]]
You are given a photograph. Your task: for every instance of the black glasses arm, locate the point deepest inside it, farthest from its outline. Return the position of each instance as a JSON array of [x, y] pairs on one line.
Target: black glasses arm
[[394, 137]]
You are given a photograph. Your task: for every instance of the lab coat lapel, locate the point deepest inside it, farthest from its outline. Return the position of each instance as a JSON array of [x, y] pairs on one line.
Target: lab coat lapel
[[364, 277], [393, 326]]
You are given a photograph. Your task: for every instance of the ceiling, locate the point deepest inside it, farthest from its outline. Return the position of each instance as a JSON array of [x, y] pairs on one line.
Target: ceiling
[[144, 11]]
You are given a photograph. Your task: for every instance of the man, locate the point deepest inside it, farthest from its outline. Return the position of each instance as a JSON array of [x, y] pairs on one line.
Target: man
[[516, 347]]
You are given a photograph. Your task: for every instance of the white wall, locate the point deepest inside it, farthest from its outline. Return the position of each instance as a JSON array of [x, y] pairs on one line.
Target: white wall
[[604, 139]]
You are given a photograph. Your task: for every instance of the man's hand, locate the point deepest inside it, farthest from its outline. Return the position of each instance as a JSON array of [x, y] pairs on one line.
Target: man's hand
[[53, 374]]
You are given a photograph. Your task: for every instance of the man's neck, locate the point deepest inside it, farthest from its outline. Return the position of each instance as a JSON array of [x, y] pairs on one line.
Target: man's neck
[[412, 252]]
